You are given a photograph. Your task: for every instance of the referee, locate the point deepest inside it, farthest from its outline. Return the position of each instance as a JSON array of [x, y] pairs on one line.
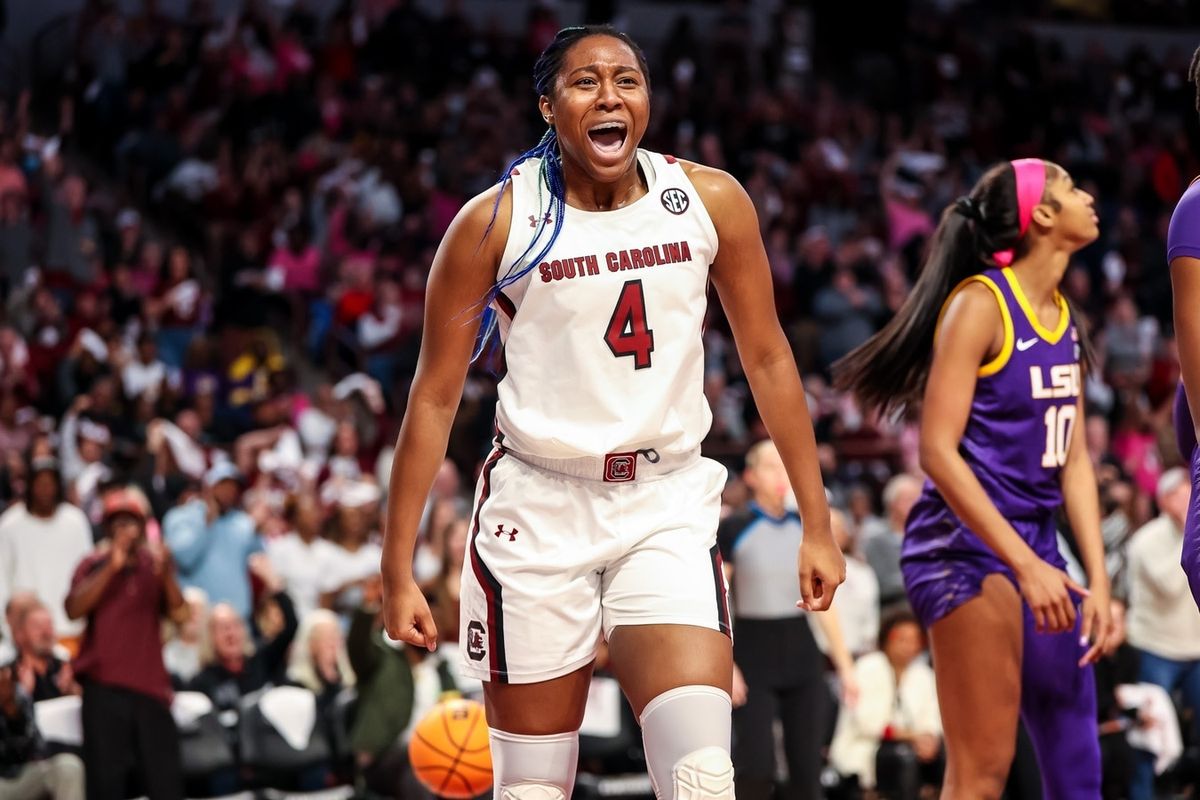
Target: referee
[[778, 670]]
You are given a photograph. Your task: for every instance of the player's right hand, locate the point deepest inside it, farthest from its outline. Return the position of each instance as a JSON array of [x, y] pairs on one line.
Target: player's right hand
[[406, 615], [1048, 591]]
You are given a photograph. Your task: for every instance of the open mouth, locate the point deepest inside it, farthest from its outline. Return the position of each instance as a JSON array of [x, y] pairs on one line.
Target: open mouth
[[608, 137]]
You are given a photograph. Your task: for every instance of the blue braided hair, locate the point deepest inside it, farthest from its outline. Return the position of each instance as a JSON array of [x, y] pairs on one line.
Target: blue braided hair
[[550, 174]]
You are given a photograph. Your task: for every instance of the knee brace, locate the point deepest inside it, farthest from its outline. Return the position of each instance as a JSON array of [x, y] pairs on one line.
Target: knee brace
[[686, 734], [533, 767]]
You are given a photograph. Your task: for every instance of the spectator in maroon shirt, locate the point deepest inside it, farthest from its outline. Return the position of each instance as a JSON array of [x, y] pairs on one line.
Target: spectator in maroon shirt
[[122, 589]]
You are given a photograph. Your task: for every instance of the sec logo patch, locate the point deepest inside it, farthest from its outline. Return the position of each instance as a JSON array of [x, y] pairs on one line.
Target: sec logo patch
[[675, 200]]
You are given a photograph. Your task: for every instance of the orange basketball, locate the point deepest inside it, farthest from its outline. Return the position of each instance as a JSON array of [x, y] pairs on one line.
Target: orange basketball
[[449, 750]]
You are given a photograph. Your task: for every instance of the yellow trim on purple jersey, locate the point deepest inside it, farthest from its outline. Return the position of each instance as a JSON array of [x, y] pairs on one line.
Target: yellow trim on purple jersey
[[1064, 314], [998, 363]]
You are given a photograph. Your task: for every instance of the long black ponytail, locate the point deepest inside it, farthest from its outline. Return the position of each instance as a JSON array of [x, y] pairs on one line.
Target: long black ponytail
[[888, 372], [545, 72]]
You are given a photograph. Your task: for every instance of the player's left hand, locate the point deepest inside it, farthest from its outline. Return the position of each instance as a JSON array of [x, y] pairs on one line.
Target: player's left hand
[[1096, 625], [822, 569]]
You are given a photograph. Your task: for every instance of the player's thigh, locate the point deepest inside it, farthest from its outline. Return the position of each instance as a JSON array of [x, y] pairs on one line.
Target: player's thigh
[[651, 659], [538, 709], [669, 570], [530, 603], [977, 660], [665, 604]]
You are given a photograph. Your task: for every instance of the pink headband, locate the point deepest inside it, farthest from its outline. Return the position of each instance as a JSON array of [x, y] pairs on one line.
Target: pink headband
[[1031, 185]]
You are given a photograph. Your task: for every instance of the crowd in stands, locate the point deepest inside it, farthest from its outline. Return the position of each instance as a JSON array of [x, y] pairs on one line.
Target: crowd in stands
[[215, 234]]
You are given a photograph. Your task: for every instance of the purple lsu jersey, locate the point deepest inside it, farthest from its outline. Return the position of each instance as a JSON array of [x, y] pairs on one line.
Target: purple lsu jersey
[[1183, 241], [1019, 430]]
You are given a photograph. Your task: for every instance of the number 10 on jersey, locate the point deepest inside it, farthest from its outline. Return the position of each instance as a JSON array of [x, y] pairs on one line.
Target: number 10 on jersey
[[628, 333], [1059, 423]]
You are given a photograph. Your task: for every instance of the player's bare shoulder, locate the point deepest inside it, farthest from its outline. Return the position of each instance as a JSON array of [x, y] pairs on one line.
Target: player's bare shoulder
[[975, 301], [972, 314], [474, 243], [719, 190], [484, 222], [732, 213]]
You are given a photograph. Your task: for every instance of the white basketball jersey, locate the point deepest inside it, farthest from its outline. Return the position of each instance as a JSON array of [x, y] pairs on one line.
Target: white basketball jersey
[[602, 338]]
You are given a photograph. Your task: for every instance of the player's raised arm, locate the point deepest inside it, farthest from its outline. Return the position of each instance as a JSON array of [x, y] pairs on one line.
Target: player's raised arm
[[463, 271], [742, 276]]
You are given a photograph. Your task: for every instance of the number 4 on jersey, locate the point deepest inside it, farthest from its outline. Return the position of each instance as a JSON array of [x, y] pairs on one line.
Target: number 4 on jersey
[[628, 333]]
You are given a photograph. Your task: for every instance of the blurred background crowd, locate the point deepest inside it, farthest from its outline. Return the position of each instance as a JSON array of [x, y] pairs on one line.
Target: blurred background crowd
[[215, 231]]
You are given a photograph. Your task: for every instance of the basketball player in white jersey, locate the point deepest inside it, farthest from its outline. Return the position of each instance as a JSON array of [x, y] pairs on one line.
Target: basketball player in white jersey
[[595, 514]]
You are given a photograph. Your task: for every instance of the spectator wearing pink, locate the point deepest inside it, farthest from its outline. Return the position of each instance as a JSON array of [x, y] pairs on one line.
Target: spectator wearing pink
[[902, 190], [1136, 446], [147, 271], [291, 59], [14, 360], [300, 262], [12, 179]]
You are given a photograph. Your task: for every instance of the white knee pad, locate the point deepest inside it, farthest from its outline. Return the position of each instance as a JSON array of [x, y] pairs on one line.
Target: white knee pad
[[704, 774], [533, 767], [686, 733]]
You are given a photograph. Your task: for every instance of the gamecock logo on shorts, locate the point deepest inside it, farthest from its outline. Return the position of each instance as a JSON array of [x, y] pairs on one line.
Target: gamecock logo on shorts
[[675, 200], [476, 640], [620, 467]]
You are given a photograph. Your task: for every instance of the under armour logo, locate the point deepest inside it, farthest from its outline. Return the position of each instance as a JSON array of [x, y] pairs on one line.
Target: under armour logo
[[533, 221], [512, 535]]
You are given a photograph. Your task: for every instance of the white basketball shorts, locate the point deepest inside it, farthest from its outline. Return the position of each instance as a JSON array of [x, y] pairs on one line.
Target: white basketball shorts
[[553, 561]]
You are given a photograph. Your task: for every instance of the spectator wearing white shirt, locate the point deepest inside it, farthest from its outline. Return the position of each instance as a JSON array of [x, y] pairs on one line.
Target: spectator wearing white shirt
[[84, 442], [897, 703], [302, 558], [183, 653], [378, 329], [41, 542], [357, 551], [857, 599], [145, 373], [1163, 622]]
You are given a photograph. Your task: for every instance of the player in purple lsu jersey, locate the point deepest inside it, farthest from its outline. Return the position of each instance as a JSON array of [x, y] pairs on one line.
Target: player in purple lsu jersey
[[987, 344], [1183, 253]]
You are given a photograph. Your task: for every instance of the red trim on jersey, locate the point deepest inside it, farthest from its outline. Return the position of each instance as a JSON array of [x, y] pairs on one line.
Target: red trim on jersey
[[718, 566], [506, 305], [670, 159], [492, 590]]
